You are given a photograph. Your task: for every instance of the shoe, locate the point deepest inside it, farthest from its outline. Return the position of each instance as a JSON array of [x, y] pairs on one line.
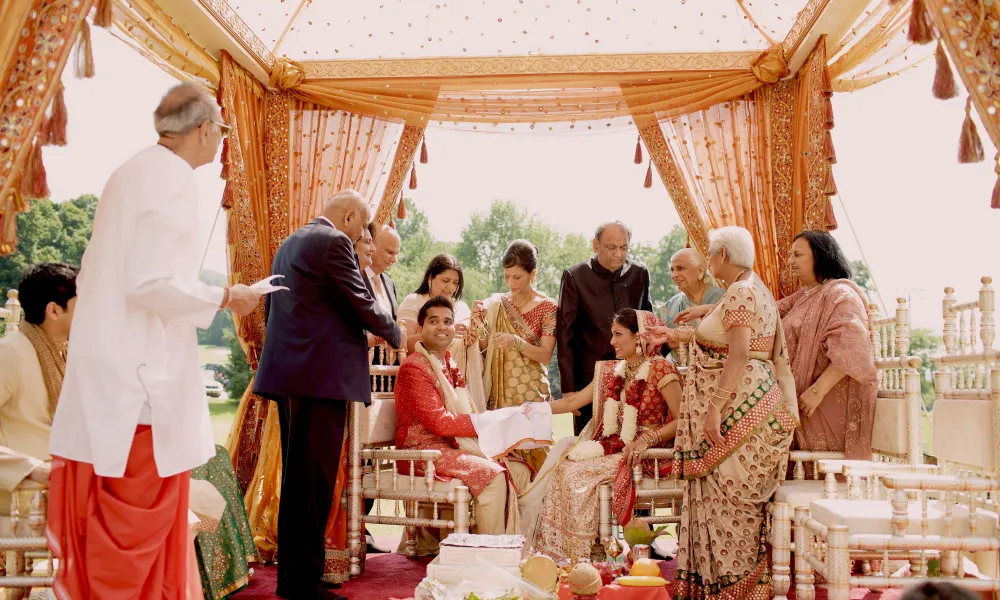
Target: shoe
[[370, 545]]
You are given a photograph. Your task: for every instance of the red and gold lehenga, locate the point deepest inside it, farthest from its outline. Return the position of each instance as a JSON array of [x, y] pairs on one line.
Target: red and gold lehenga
[[568, 491], [721, 551]]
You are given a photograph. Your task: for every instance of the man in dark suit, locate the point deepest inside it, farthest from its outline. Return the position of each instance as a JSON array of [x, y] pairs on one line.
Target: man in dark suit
[[314, 361], [590, 295]]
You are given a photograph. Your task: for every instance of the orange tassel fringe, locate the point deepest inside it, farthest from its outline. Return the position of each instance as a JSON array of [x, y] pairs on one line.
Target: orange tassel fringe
[[970, 147], [423, 151], [831, 152], [649, 176], [401, 209], [103, 16], [829, 113], [34, 182], [827, 85], [944, 81], [995, 203], [413, 178], [638, 151], [224, 159], [84, 64], [830, 188], [55, 128], [831, 218], [920, 31]]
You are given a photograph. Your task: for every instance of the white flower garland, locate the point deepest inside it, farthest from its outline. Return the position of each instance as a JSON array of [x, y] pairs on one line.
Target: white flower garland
[[630, 415]]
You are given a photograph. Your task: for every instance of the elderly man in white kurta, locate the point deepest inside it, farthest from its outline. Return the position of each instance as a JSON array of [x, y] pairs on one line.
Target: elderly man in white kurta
[[132, 419]]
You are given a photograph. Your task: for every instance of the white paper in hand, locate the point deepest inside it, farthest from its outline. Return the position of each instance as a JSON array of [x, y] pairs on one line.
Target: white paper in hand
[[514, 428], [264, 285]]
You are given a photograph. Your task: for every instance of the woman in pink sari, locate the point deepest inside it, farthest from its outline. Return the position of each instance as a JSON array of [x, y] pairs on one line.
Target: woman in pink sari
[[826, 331]]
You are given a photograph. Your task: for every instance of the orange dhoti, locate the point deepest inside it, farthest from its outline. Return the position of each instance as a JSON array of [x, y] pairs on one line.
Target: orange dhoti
[[120, 538]]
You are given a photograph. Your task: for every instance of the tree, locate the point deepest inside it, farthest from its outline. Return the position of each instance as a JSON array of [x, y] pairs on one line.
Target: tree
[[657, 260], [236, 371], [863, 277]]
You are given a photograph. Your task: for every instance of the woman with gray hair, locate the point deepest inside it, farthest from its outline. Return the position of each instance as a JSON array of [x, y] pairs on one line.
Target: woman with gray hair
[[689, 270], [737, 419]]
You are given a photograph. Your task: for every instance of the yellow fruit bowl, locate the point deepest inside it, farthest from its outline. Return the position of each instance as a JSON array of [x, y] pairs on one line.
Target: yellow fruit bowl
[[641, 581]]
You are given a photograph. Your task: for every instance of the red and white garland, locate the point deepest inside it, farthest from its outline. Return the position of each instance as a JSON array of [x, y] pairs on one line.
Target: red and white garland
[[622, 402]]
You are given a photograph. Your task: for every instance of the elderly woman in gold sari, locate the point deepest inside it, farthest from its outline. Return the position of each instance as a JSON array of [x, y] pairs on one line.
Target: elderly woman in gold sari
[[518, 334], [737, 418]]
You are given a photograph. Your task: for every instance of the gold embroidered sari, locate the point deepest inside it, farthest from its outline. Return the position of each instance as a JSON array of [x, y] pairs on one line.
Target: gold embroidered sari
[[509, 377]]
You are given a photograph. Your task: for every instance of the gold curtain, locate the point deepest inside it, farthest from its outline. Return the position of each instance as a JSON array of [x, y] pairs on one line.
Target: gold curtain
[[36, 38], [151, 32], [409, 142], [575, 94], [283, 159], [812, 175]]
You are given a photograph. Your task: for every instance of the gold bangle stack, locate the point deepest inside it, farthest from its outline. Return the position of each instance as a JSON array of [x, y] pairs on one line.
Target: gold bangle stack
[[723, 395], [519, 343]]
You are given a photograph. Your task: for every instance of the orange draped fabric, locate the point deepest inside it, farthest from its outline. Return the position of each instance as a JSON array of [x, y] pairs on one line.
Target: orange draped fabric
[[758, 161], [36, 38], [285, 157], [121, 538]]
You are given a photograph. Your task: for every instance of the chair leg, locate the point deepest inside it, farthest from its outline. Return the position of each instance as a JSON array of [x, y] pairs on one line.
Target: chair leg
[[463, 507], [604, 502], [781, 540], [410, 531], [838, 560], [805, 588]]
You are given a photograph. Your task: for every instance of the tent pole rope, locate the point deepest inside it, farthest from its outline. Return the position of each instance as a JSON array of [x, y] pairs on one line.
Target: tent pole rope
[[857, 240]]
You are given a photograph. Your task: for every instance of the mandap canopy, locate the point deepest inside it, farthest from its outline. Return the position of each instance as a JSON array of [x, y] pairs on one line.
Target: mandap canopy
[[730, 100]]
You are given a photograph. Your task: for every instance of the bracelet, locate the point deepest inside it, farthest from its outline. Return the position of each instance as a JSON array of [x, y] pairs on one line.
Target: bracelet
[[815, 390], [225, 298], [519, 343]]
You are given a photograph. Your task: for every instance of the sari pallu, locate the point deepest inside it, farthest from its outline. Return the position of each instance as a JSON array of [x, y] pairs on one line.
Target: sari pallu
[[510, 378], [721, 552]]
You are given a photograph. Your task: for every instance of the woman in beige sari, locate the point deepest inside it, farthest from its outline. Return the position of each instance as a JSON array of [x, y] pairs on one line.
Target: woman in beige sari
[[737, 419], [826, 328], [517, 331]]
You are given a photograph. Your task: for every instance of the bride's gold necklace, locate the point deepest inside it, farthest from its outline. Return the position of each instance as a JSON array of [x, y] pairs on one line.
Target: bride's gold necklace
[[630, 370]]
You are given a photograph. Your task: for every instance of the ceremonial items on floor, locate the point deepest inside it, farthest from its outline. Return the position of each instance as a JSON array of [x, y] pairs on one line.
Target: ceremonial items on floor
[[462, 553], [541, 571], [584, 581]]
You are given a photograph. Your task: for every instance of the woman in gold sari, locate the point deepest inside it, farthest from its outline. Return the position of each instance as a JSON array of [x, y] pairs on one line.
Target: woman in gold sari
[[517, 331], [737, 418]]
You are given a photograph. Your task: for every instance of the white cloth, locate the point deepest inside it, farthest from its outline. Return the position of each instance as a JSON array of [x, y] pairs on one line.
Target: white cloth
[[381, 296], [139, 303], [514, 428]]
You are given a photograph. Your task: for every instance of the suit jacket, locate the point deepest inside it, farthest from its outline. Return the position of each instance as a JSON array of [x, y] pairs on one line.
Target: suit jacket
[[589, 297], [390, 290], [315, 346]]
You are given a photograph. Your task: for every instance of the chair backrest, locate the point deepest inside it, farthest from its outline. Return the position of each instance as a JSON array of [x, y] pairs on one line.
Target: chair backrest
[[11, 313], [897, 433], [966, 415], [378, 421]]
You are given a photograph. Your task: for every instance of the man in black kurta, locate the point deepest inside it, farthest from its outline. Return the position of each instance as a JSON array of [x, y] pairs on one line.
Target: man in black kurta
[[589, 296]]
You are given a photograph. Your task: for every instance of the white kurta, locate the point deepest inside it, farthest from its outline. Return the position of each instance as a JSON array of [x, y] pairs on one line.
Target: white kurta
[[134, 348]]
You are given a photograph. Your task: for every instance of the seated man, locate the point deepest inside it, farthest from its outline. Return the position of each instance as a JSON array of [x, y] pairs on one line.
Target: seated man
[[434, 413], [32, 363]]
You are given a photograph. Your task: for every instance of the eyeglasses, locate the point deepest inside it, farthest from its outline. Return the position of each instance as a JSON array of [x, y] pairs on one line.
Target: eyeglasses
[[223, 128]]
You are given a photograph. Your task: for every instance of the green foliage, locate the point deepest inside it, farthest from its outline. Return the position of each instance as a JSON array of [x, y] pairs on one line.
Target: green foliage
[[657, 260], [49, 231], [863, 276], [925, 344], [237, 372]]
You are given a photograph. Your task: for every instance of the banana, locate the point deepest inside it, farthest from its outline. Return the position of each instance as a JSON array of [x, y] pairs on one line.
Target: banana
[[641, 581]]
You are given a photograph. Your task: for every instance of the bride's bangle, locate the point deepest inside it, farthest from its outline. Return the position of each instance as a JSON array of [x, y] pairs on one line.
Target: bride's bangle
[[519, 343]]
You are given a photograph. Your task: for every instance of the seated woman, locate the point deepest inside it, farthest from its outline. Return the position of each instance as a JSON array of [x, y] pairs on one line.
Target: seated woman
[[689, 271], [635, 399], [518, 332], [826, 330]]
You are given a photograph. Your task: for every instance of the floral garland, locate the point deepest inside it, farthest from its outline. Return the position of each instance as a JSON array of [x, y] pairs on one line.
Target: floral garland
[[624, 402]]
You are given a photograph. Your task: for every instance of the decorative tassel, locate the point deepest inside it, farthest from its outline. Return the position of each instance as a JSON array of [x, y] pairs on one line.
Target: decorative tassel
[[827, 85], [970, 147], [829, 113], [921, 31], [423, 151], [413, 178], [649, 176], [392, 224], [638, 151], [55, 127], [995, 203], [944, 82], [830, 187], [401, 209], [34, 182], [103, 16], [831, 218], [83, 66], [831, 152]]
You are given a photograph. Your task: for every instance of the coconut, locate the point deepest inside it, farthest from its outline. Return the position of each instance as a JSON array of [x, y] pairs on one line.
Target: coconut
[[584, 580]]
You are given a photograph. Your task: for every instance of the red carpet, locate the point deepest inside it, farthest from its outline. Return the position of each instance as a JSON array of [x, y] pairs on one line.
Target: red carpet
[[389, 576]]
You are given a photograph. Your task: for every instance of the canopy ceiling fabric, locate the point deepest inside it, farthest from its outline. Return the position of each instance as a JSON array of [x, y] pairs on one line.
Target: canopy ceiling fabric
[[389, 29]]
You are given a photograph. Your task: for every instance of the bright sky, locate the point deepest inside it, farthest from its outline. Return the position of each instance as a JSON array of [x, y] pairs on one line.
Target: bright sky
[[923, 220]]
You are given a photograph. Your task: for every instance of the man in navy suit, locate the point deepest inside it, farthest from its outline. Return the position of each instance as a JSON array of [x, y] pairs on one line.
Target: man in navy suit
[[315, 361]]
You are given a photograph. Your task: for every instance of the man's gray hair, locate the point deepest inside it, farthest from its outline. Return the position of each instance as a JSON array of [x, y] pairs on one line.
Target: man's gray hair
[[184, 107], [737, 242], [698, 259], [346, 200], [604, 226]]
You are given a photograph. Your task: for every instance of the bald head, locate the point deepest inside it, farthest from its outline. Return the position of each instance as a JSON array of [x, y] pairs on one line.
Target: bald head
[[387, 245], [183, 108], [349, 212]]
